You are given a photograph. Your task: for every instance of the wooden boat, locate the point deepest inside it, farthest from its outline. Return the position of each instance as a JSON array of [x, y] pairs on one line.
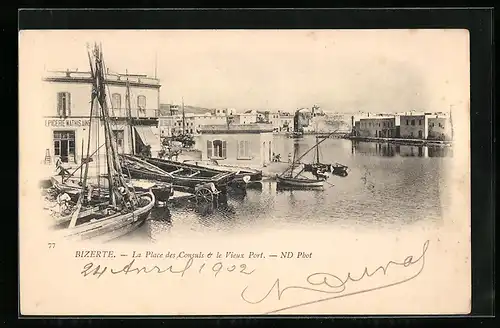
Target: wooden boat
[[125, 209], [319, 168], [108, 224], [300, 182], [162, 190], [293, 180], [183, 177], [241, 173]]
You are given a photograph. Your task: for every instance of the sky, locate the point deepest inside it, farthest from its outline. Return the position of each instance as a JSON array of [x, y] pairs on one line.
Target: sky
[[339, 70]]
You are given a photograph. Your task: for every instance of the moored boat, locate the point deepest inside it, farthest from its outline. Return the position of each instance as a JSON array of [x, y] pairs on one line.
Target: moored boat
[[183, 177], [125, 210], [296, 180], [300, 182], [321, 168], [241, 173]]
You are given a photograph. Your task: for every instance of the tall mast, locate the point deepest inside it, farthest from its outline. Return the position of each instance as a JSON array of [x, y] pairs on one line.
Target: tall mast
[[74, 217], [129, 116], [102, 101], [115, 173], [183, 118], [317, 151]]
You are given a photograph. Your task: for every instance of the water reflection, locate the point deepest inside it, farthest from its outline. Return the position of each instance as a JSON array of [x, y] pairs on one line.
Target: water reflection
[[391, 150], [387, 184]]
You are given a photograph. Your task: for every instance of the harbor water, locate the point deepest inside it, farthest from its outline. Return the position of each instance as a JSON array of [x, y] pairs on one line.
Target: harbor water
[[387, 185]]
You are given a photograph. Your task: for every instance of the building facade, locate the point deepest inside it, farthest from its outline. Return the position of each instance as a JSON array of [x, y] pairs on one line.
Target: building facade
[[171, 125], [248, 117], [285, 122], [248, 145], [439, 127], [414, 126], [66, 108], [381, 127]]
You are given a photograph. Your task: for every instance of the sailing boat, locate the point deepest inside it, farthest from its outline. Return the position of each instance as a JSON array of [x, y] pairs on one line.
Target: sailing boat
[[126, 209], [296, 180], [317, 166]]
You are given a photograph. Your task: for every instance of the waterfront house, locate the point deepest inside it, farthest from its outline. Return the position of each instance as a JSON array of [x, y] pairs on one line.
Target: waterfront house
[[238, 144], [378, 126], [439, 127], [66, 110], [414, 126]]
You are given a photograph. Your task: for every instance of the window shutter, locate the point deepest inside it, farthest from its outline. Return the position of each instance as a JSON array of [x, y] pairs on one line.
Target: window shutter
[[224, 149], [209, 149], [59, 103], [68, 99], [238, 149]]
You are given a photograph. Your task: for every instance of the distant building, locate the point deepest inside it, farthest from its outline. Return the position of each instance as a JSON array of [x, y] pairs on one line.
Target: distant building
[[439, 127], [285, 122], [223, 111], [414, 126], [241, 144], [378, 126], [248, 117]]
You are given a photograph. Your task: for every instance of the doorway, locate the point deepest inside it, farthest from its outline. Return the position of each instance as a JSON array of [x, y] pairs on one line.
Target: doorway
[[64, 145]]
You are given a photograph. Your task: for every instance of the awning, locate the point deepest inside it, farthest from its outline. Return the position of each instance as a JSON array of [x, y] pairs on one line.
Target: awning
[[148, 137]]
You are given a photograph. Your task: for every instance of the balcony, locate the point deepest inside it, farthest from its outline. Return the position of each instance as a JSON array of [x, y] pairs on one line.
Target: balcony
[[135, 113]]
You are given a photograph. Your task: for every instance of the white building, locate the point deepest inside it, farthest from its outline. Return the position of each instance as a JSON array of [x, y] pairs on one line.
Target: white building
[[66, 115], [248, 145]]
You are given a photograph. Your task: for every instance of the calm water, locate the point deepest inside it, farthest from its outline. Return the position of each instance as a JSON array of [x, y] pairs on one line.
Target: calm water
[[386, 185]]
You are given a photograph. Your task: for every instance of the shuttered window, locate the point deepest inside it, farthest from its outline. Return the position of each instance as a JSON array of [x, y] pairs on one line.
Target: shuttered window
[[141, 102], [64, 104], [116, 101], [243, 149], [217, 149]]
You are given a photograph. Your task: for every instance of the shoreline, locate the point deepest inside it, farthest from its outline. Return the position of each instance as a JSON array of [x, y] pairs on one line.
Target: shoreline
[[403, 141]]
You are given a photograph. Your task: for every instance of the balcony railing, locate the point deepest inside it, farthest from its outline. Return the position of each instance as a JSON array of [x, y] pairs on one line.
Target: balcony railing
[[135, 113]]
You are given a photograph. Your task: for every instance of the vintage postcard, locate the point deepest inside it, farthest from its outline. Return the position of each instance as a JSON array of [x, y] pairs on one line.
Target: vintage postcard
[[244, 172]]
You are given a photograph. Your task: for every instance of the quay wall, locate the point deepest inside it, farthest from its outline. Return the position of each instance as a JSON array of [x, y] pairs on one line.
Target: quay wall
[[403, 141]]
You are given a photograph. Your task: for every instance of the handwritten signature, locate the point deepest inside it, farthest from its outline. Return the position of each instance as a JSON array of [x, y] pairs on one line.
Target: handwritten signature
[[333, 284], [98, 270]]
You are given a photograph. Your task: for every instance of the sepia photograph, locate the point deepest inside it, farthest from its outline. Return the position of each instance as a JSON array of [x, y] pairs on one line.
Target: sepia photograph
[[212, 172]]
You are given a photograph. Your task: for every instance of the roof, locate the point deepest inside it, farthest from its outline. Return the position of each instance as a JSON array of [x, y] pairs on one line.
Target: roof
[[236, 128], [111, 78]]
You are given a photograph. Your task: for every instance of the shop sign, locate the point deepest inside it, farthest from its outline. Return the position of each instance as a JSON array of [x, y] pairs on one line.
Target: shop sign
[[67, 123]]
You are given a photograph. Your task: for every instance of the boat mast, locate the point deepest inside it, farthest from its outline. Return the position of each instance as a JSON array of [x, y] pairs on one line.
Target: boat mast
[[317, 150], [115, 174], [317, 144], [129, 116], [74, 217]]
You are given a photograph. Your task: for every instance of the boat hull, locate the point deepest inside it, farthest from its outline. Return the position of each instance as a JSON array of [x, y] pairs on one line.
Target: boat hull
[[114, 226], [240, 173], [163, 172], [299, 183]]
